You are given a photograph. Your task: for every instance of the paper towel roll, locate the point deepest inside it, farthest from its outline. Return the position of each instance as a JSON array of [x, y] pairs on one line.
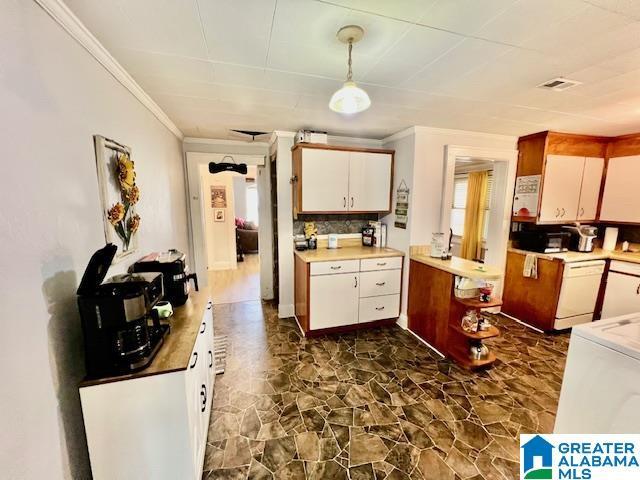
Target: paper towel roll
[[610, 238]]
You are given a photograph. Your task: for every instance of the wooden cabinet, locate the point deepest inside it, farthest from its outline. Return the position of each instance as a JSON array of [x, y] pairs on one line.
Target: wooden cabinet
[[330, 179], [622, 185], [154, 423], [571, 169], [346, 294]]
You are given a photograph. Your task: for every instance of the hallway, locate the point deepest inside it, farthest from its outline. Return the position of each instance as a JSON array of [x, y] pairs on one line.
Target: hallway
[[239, 285]]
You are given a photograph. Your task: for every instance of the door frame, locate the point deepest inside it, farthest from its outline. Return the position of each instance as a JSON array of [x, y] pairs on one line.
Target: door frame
[[504, 179], [197, 240]]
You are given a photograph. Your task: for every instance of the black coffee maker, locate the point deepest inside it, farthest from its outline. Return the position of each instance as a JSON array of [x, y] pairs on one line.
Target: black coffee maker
[[120, 335]]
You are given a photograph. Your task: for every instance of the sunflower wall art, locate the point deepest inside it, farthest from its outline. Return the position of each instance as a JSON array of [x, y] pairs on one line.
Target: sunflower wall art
[[119, 195]]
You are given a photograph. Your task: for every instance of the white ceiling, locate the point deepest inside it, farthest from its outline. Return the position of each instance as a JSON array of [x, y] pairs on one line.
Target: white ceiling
[[213, 65]]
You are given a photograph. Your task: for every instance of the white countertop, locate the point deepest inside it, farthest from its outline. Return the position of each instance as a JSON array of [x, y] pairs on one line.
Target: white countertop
[[460, 266], [597, 254]]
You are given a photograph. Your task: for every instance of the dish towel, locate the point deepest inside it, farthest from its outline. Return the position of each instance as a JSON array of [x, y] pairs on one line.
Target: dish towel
[[530, 269]]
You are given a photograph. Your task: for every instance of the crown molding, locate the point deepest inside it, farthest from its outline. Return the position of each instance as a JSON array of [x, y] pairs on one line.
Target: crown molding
[[445, 131], [57, 10]]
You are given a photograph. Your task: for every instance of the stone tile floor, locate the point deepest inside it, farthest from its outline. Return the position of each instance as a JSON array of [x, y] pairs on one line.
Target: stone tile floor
[[373, 405]]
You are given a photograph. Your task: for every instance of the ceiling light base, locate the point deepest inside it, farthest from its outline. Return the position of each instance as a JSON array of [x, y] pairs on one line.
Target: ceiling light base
[[350, 33]]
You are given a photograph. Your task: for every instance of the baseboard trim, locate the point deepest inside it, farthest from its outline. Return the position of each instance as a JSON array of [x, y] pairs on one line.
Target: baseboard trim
[[425, 343], [403, 321], [57, 10]]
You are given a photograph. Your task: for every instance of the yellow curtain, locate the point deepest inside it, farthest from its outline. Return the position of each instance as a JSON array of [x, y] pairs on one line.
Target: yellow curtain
[[474, 215]]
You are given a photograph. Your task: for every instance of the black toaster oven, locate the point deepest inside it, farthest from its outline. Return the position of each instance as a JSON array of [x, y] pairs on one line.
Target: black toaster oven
[[175, 274], [543, 242]]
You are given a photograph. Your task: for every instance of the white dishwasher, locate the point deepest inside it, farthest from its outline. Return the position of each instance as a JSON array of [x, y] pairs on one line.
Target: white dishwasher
[[578, 293], [622, 295]]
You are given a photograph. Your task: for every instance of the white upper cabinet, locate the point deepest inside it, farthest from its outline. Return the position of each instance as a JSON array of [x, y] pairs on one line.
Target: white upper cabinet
[[622, 186], [561, 188], [590, 190], [325, 179], [335, 181], [369, 181]]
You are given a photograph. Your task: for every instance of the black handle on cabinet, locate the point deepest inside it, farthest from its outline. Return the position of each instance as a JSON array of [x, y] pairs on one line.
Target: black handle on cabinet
[[203, 394], [209, 305], [563, 212], [210, 359], [344, 202], [351, 202], [557, 212], [379, 308], [581, 211], [195, 359], [336, 268], [638, 290], [381, 264], [380, 284], [204, 327], [356, 284]]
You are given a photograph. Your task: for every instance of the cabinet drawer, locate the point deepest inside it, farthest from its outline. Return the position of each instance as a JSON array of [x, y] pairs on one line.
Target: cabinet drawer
[[379, 308], [380, 282], [325, 268], [388, 263]]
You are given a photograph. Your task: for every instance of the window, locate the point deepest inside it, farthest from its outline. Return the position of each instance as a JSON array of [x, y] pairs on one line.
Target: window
[[460, 184]]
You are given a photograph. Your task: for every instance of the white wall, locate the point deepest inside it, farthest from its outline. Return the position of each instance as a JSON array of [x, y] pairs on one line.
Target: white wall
[[424, 174], [54, 98], [220, 237]]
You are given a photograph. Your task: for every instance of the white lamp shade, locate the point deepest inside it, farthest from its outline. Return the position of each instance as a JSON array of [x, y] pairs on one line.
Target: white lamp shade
[[349, 99]]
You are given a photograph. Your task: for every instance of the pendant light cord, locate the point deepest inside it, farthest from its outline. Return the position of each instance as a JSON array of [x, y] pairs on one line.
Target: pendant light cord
[[350, 74]]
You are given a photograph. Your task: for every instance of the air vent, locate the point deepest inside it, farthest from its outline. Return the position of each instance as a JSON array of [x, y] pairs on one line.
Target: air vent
[[559, 84]]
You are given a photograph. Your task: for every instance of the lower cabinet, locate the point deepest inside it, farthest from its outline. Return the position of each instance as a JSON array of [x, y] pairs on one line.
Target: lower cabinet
[[622, 292], [333, 300], [347, 293], [153, 426]]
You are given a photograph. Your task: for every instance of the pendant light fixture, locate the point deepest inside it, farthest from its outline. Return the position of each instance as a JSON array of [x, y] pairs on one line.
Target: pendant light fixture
[[350, 98]]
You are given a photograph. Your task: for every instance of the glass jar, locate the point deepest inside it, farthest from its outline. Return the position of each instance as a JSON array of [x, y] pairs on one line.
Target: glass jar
[[437, 244]]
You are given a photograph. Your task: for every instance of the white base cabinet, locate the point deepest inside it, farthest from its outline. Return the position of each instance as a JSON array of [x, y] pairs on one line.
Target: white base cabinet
[[349, 292], [153, 426], [622, 293]]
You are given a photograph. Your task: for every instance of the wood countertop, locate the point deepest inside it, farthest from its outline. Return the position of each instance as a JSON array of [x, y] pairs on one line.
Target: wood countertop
[[460, 266], [346, 253], [571, 257], [175, 352]]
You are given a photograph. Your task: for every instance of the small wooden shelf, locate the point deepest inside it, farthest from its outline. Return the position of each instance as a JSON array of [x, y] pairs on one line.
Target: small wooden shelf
[[490, 333], [476, 303], [462, 358]]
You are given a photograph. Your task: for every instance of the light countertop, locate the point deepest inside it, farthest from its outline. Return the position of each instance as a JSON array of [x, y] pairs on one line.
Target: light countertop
[[351, 252], [597, 254], [460, 266]]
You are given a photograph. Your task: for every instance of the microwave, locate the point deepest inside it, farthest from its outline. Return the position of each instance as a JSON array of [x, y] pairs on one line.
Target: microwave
[[544, 242]]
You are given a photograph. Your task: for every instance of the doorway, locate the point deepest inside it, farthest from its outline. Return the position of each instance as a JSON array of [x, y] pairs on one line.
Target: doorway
[[229, 219], [476, 203]]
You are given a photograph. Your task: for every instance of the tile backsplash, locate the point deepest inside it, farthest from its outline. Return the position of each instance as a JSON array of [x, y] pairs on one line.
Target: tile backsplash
[[351, 223]]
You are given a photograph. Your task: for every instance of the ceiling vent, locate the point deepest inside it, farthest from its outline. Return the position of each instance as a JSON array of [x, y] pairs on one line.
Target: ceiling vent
[[559, 84]]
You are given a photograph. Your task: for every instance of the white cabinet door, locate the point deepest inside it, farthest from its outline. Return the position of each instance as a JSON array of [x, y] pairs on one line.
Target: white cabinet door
[[590, 190], [561, 188], [622, 295], [325, 180], [369, 182], [333, 300], [620, 198]]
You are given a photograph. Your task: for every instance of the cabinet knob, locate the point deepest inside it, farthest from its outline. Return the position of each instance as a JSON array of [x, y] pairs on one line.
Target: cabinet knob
[[563, 212], [351, 202], [379, 308], [638, 290], [557, 212], [203, 394], [581, 211], [356, 284], [380, 284], [195, 360], [344, 202], [210, 359], [204, 326]]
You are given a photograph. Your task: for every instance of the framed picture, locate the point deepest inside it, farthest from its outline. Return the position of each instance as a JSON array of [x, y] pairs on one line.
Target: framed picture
[[218, 215], [218, 196], [119, 195]]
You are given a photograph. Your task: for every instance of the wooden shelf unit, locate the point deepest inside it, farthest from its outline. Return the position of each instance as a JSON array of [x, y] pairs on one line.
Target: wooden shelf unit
[[481, 335], [476, 303], [463, 359]]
